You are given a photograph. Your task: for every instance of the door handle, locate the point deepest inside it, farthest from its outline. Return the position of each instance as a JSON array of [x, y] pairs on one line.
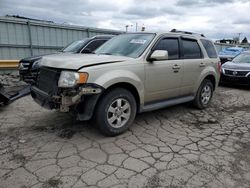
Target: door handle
[[176, 67], [202, 64]]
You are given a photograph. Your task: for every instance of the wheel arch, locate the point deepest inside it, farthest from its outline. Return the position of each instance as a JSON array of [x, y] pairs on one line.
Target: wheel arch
[[212, 79], [210, 76], [125, 85]]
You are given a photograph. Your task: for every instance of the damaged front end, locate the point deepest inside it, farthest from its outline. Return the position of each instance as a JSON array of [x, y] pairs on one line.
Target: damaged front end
[[79, 99]]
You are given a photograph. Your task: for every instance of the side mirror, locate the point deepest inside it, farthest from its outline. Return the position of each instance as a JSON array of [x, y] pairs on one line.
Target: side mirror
[[158, 55]]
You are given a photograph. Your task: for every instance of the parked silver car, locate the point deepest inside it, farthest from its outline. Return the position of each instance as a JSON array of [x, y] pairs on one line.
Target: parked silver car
[[129, 74], [237, 71]]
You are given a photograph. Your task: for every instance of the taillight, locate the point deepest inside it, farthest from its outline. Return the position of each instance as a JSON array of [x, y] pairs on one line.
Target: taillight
[[219, 66]]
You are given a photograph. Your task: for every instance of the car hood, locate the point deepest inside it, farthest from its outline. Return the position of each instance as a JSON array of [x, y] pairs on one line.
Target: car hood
[[236, 66], [30, 59], [226, 56], [77, 61], [35, 58]]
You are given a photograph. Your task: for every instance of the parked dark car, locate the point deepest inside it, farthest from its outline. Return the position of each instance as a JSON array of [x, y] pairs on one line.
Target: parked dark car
[[237, 71], [28, 67]]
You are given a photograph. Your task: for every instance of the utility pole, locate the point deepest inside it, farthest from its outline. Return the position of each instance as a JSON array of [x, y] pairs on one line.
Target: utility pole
[[143, 27], [239, 36], [136, 25], [126, 26]]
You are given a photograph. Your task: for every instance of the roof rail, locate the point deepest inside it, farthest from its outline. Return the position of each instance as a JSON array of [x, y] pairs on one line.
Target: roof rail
[[186, 32]]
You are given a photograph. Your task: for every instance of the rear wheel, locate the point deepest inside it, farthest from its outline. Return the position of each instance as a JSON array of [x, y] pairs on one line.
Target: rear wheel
[[204, 94], [115, 112]]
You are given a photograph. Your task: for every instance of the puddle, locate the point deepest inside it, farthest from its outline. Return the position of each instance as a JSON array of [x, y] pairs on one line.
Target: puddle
[[52, 183], [64, 131]]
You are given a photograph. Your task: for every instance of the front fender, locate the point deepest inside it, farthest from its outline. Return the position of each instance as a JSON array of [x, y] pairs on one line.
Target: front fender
[[121, 76]]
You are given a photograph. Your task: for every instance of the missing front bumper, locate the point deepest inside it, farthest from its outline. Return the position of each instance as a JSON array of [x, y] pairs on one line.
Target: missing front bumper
[[81, 102]]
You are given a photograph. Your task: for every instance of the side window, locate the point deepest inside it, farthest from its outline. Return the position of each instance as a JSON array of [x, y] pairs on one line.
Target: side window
[[171, 45], [191, 49], [208, 45], [93, 45]]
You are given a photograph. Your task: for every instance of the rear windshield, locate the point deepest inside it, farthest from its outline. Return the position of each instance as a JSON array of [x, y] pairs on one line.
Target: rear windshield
[[208, 45]]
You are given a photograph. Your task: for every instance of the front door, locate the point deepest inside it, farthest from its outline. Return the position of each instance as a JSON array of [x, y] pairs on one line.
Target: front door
[[163, 77]]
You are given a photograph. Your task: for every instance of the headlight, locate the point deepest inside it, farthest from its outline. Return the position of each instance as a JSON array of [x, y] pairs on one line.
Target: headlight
[[71, 79], [36, 64]]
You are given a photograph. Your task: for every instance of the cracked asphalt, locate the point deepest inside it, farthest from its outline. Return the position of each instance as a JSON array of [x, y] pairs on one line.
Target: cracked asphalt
[[173, 147]]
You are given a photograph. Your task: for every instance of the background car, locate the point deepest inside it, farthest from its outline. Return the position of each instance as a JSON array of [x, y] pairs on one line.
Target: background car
[[228, 54], [237, 71], [28, 67]]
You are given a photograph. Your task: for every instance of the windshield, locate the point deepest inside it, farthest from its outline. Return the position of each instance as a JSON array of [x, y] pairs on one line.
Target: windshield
[[74, 47], [242, 58], [130, 45]]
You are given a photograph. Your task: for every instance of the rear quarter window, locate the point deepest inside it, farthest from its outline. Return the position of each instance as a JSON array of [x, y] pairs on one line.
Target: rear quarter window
[[208, 45]]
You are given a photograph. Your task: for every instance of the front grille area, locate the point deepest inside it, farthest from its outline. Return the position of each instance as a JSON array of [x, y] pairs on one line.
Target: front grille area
[[235, 80], [236, 73], [47, 80], [25, 64]]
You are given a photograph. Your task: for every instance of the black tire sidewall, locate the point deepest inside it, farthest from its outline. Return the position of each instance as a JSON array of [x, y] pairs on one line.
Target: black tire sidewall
[[198, 102], [102, 110]]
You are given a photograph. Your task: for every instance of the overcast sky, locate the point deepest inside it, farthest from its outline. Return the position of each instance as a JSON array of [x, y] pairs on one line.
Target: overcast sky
[[215, 18]]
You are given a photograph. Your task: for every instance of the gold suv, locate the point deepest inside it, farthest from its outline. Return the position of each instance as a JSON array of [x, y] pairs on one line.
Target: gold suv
[[129, 74]]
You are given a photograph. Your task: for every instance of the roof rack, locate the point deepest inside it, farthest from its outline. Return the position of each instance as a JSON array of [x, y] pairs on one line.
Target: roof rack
[[186, 32]]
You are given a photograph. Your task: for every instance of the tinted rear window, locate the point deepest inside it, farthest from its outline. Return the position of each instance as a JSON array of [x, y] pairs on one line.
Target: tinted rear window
[[208, 45], [191, 49]]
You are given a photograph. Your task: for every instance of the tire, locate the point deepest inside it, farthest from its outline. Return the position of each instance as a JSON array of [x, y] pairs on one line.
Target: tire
[[115, 112], [204, 94]]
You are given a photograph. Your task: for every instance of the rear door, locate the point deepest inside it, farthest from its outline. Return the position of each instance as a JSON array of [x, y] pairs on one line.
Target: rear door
[[163, 78], [193, 64]]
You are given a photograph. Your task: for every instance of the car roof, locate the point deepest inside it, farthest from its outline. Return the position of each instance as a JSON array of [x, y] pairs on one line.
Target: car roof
[[102, 37], [187, 34]]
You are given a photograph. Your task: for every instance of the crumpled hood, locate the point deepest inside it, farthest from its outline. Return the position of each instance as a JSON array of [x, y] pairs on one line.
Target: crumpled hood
[[77, 61], [236, 66]]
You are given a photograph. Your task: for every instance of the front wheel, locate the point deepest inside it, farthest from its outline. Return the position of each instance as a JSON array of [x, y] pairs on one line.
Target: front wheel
[[204, 94], [115, 112]]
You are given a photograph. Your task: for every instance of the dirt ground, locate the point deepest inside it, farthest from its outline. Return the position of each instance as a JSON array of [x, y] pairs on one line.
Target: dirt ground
[[173, 147]]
